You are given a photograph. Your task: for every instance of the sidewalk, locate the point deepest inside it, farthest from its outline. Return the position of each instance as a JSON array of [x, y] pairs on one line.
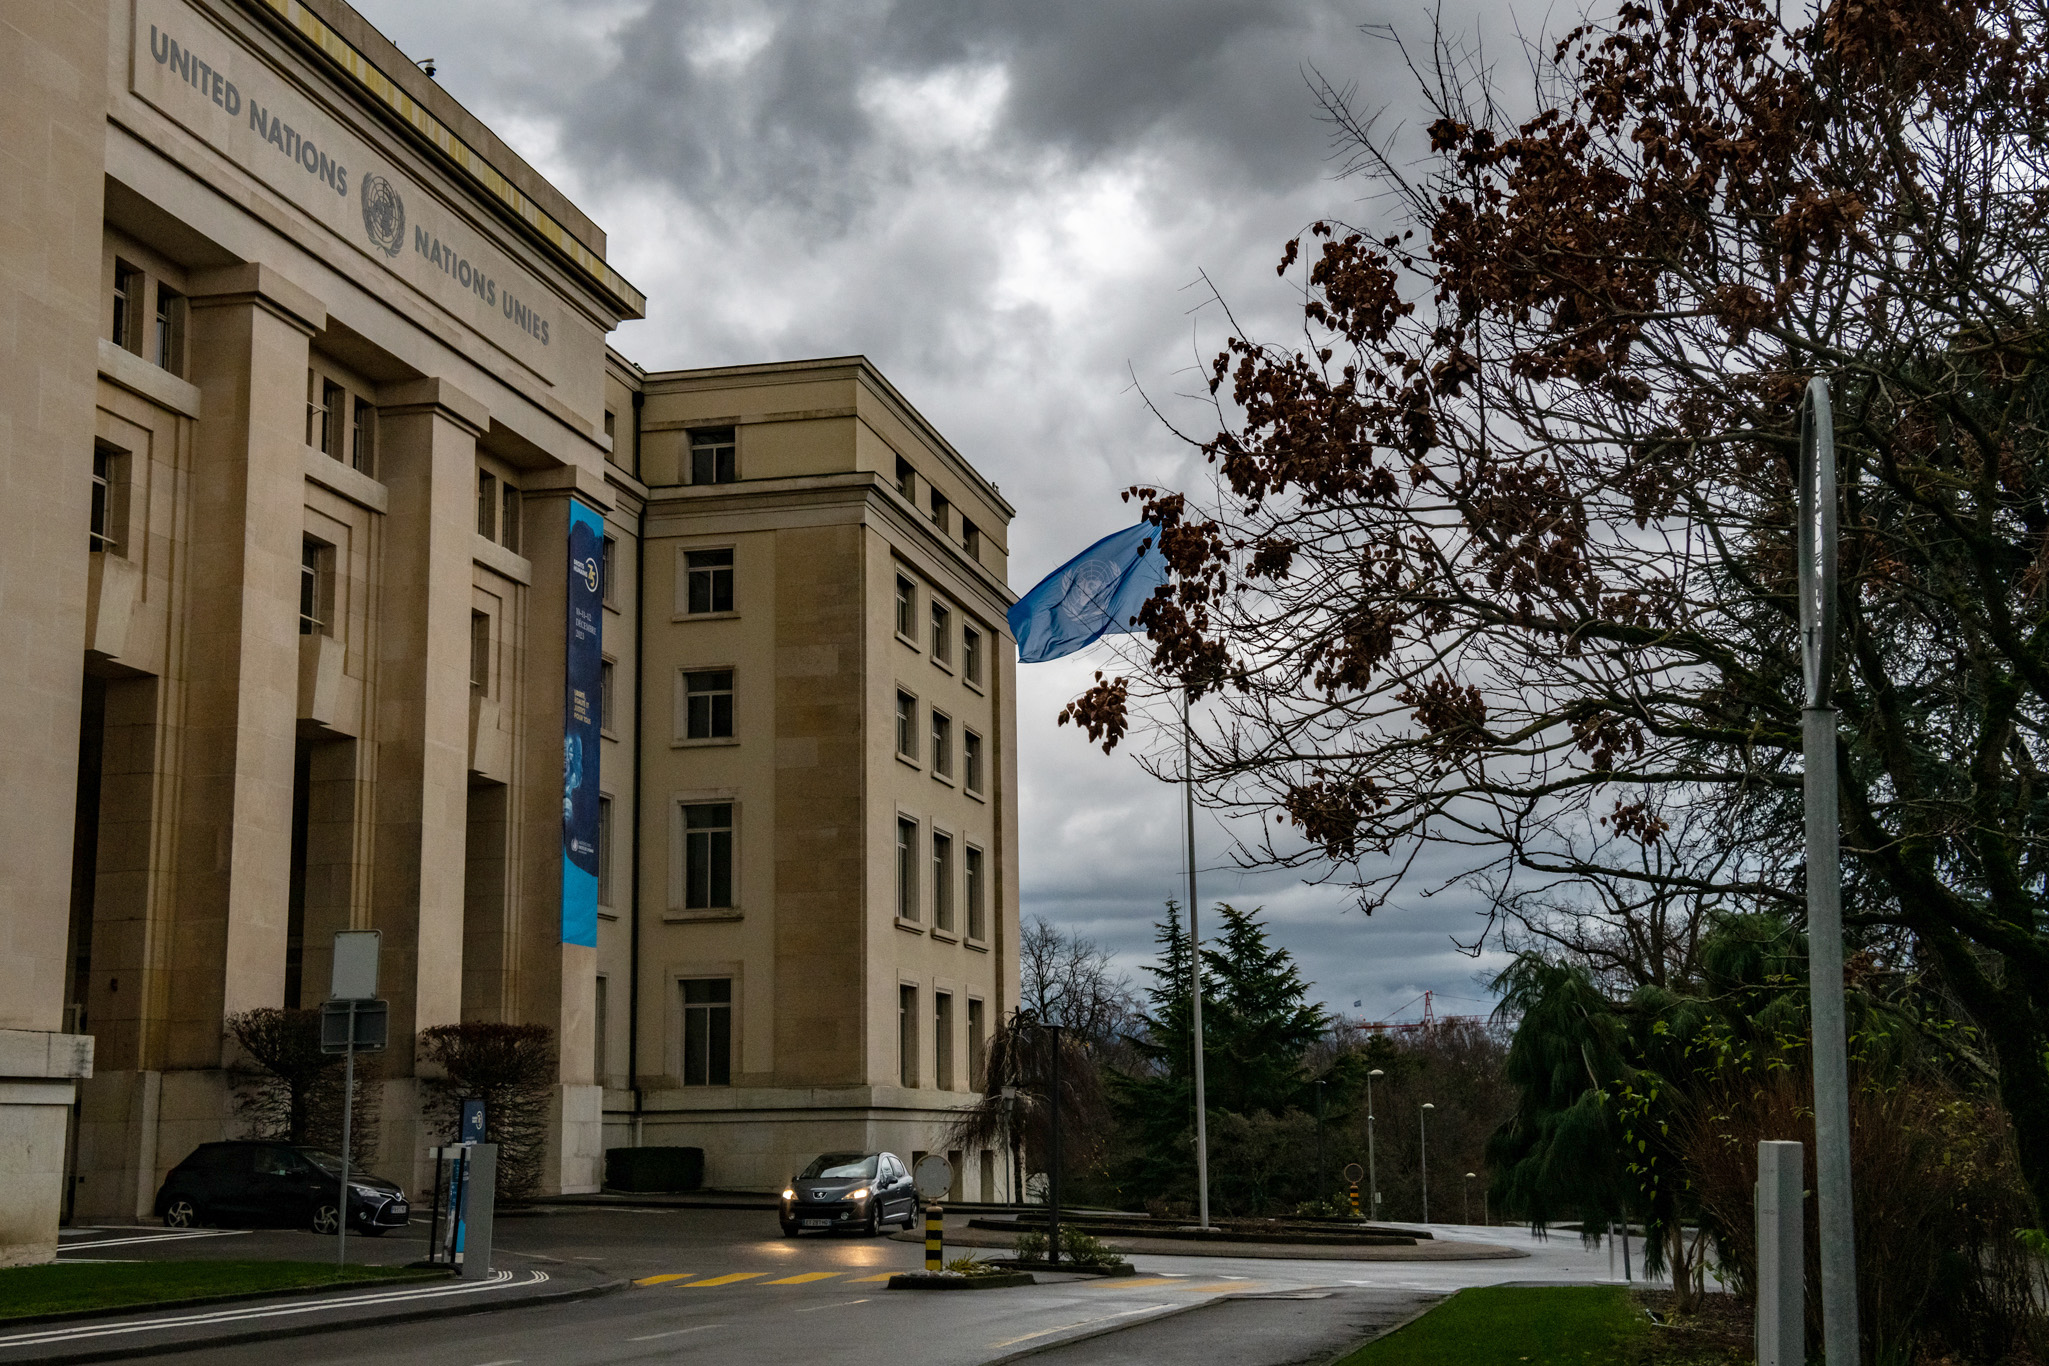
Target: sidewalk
[[145, 1331]]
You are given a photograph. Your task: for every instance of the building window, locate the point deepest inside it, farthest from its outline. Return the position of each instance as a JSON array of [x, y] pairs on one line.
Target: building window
[[971, 654], [906, 868], [942, 512], [906, 479], [316, 589], [978, 1027], [971, 761], [605, 676], [942, 1040], [363, 437], [708, 856], [608, 581], [942, 745], [487, 505], [600, 1015], [480, 654], [127, 301], [906, 608], [942, 881], [708, 704], [108, 471], [977, 926], [708, 1032], [604, 851], [509, 521], [169, 348], [709, 581], [611, 422], [907, 1035], [942, 634], [907, 726], [713, 455], [971, 539]]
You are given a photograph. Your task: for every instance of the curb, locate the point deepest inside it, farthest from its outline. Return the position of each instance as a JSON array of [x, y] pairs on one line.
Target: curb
[[925, 1280], [204, 1301], [301, 1330], [1393, 1328]]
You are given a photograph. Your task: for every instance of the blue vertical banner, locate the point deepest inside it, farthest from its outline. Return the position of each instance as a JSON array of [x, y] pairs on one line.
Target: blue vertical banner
[[580, 720]]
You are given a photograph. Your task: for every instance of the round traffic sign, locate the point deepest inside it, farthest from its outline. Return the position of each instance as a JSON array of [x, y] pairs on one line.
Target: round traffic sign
[[933, 1176], [1353, 1171]]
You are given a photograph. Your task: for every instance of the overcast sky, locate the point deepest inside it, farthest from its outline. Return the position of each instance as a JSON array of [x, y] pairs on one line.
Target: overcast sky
[[1010, 207]]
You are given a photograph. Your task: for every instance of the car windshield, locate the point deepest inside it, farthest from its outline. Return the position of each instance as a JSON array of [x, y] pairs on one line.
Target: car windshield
[[327, 1162], [848, 1166]]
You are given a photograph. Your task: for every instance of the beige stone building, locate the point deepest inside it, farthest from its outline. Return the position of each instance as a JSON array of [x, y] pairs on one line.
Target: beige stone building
[[305, 386]]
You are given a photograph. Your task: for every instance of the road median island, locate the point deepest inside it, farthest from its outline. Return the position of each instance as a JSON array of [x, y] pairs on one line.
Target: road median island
[[56, 1292]]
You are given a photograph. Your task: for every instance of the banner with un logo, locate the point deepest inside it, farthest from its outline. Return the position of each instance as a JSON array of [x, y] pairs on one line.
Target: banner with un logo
[[1095, 594], [580, 722]]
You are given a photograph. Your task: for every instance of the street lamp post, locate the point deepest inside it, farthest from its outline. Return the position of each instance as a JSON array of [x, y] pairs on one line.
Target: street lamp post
[[1321, 1188], [1466, 1207], [1817, 544], [1423, 1153], [1372, 1170]]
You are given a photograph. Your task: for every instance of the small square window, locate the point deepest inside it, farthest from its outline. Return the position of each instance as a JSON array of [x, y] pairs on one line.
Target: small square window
[[906, 479], [942, 634], [971, 539], [708, 704], [713, 456], [942, 512], [907, 726], [708, 856], [942, 745], [971, 761], [709, 585], [906, 608]]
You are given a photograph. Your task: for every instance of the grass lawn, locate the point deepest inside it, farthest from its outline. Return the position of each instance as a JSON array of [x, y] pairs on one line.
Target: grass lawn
[[1509, 1326], [66, 1287]]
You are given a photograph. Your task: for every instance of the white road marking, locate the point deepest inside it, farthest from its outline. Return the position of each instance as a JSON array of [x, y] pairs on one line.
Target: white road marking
[[500, 1280], [675, 1332], [1104, 1318], [817, 1307], [157, 1238]]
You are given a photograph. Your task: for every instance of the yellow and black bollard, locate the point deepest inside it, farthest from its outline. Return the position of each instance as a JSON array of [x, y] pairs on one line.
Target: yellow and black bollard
[[935, 1230], [1355, 1199]]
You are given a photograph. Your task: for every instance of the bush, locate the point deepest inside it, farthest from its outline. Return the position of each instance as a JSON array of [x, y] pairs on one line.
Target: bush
[[287, 1090], [511, 1068], [1075, 1246]]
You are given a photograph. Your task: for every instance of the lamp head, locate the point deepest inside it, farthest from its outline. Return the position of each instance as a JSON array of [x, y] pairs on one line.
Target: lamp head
[[1428, 1106], [1376, 1072]]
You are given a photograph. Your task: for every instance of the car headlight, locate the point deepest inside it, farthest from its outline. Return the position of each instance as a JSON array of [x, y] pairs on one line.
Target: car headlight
[[861, 1194], [789, 1195]]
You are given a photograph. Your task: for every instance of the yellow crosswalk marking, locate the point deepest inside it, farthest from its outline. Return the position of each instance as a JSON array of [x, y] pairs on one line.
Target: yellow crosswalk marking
[[726, 1279], [662, 1280], [806, 1278], [1128, 1282]]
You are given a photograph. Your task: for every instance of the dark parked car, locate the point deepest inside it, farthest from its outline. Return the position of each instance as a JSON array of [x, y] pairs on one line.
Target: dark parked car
[[850, 1191], [257, 1184]]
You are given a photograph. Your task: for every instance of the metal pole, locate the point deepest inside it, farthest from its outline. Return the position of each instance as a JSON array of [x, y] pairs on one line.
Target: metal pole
[[1053, 1162], [1824, 879], [1319, 1141], [1195, 956], [341, 1232], [1423, 1153], [1372, 1170]]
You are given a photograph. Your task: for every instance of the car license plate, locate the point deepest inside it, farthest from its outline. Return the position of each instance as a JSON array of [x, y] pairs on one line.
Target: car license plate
[[815, 1223]]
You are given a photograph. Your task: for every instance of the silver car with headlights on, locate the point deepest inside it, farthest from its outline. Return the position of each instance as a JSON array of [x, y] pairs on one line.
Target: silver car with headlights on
[[857, 1191]]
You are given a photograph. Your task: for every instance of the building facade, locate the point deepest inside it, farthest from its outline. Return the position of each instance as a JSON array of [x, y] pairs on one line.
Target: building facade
[[344, 547]]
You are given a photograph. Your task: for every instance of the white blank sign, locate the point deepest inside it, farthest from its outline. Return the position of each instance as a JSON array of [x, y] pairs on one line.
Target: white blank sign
[[355, 965]]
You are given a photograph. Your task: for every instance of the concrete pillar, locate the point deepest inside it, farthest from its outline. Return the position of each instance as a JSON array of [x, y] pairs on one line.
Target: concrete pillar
[[52, 160], [427, 457], [1781, 1255]]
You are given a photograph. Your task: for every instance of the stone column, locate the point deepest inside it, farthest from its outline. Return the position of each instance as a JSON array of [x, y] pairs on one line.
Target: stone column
[[557, 982], [427, 457], [52, 160]]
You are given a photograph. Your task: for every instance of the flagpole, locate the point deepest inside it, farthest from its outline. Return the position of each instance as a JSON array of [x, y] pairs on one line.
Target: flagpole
[[1195, 952]]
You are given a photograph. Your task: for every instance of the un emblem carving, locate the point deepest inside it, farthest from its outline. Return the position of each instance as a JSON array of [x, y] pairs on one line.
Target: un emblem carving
[[384, 214]]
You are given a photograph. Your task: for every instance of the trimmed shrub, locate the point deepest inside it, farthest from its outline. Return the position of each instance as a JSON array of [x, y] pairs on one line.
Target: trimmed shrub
[[511, 1068], [287, 1090]]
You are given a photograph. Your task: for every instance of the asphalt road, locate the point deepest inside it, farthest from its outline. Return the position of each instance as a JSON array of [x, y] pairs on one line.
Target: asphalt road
[[717, 1285]]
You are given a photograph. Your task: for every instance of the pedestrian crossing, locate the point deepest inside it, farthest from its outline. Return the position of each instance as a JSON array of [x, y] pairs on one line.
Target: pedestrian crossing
[[761, 1280]]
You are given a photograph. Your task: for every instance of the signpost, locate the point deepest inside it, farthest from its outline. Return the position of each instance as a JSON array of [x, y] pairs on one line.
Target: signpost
[[1817, 548], [933, 1178], [352, 1020]]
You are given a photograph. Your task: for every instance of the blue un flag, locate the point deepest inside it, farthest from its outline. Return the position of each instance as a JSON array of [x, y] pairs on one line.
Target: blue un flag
[[1095, 594]]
